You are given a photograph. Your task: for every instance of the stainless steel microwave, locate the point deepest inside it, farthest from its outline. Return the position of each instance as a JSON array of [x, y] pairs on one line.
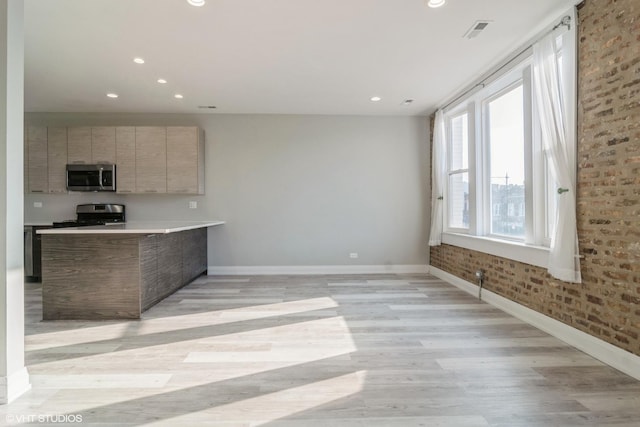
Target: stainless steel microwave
[[81, 177]]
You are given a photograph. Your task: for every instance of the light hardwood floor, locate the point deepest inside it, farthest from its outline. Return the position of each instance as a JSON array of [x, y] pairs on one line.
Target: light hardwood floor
[[309, 351]]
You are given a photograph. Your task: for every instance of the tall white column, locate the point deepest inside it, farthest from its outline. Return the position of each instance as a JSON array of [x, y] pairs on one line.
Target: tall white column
[[14, 379]]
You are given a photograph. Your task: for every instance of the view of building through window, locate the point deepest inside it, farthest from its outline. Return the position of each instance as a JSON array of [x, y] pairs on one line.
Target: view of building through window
[[506, 141]]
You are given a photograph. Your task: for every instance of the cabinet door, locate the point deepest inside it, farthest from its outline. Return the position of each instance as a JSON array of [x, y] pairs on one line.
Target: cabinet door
[[194, 253], [183, 156], [57, 159], [103, 145], [151, 159], [169, 260], [37, 152], [79, 145], [126, 159]]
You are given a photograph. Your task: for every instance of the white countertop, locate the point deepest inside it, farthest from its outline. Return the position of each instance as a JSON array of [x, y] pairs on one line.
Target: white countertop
[[135, 227]]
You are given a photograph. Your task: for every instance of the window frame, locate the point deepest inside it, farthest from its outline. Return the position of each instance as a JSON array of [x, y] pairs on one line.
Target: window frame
[[518, 75], [449, 117]]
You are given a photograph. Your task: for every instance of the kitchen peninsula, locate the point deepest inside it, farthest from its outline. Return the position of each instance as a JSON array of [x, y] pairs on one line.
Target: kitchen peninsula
[[117, 271]]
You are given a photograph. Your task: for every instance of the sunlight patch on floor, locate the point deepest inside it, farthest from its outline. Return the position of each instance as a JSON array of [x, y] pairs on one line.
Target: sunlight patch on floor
[[323, 339], [97, 334], [273, 406], [230, 315], [77, 335]]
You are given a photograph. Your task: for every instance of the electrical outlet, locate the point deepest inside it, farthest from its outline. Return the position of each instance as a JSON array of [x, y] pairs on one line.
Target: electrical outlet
[[353, 255], [193, 204], [37, 204]]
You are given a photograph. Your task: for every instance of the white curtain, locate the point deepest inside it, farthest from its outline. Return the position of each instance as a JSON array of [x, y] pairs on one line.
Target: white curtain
[[437, 179], [559, 142]]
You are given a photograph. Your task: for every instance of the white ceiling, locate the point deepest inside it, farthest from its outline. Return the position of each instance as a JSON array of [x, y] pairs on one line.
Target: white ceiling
[[266, 56]]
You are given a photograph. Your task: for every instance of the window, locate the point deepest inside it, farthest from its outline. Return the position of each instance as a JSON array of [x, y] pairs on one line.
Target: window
[[458, 185], [505, 144], [506, 193], [495, 188]]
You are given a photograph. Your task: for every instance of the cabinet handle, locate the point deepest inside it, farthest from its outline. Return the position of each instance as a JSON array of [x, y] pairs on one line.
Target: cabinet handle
[[149, 191], [37, 191], [78, 162]]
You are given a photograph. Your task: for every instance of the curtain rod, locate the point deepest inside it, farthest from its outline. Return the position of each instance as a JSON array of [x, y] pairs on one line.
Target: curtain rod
[[564, 22]]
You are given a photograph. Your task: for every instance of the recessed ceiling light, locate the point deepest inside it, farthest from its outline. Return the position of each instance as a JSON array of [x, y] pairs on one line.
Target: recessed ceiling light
[[138, 60], [196, 2], [162, 81], [112, 95], [376, 98], [436, 3], [178, 96]]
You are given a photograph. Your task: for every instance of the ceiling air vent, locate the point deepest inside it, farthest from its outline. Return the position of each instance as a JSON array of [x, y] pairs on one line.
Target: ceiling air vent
[[476, 29]]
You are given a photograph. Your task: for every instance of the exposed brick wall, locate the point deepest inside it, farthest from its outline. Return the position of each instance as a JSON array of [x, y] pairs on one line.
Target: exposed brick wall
[[607, 303]]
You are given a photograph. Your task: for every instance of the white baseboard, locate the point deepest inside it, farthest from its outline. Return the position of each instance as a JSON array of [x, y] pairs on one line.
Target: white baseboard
[[607, 353], [14, 385], [214, 270]]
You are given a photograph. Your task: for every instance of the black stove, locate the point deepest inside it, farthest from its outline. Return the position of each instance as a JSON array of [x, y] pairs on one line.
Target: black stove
[[94, 214]]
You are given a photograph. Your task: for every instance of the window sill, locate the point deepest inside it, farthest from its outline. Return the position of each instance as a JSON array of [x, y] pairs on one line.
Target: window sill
[[528, 254]]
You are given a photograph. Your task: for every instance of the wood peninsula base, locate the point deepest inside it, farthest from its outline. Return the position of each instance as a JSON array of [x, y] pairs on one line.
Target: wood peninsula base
[[116, 275]]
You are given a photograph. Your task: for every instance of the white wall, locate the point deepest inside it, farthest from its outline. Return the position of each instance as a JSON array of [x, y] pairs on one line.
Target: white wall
[[295, 190], [14, 379]]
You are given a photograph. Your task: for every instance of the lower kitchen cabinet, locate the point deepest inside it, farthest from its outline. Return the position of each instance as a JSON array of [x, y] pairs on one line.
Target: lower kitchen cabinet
[[180, 258], [164, 253], [116, 276], [194, 254]]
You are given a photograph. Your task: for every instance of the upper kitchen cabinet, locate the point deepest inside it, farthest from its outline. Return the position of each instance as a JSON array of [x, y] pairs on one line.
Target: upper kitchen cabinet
[[90, 145], [185, 160], [57, 159], [148, 159], [103, 145], [79, 145], [36, 164], [151, 159], [126, 159]]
